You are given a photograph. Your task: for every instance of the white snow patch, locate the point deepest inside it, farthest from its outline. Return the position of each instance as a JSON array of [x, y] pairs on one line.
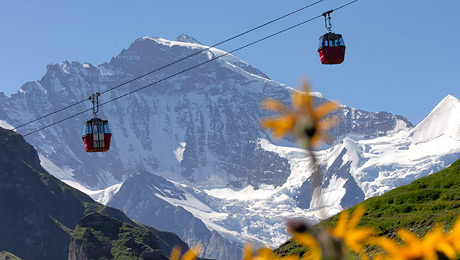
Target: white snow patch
[[314, 94], [400, 126], [202, 211], [102, 196], [53, 169], [179, 152], [5, 125], [65, 67], [245, 194], [331, 195]]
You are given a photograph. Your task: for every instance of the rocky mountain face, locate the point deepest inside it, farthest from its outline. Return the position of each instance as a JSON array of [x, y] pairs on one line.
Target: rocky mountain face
[[142, 197], [200, 126], [200, 130], [40, 215]]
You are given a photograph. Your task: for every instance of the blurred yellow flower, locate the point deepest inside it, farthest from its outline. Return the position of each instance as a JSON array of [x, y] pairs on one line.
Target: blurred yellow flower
[[353, 238], [429, 248], [191, 254], [305, 122], [454, 236], [308, 241]]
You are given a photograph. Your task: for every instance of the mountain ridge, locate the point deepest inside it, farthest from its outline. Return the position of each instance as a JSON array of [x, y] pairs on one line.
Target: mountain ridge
[[61, 79], [438, 122], [199, 129]]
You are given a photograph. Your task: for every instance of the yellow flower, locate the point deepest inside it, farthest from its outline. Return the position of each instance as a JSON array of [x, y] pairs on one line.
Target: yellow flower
[[441, 242], [454, 236], [191, 254], [305, 122], [308, 241], [428, 248], [353, 237]]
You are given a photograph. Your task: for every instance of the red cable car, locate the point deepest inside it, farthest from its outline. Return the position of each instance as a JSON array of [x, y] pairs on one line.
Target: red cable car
[[331, 45], [96, 132], [331, 48], [96, 135]]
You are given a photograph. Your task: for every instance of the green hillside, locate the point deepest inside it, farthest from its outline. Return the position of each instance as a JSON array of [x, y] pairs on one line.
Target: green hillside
[[418, 206]]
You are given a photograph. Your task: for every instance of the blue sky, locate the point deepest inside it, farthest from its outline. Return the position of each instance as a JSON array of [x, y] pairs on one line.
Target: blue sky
[[402, 56]]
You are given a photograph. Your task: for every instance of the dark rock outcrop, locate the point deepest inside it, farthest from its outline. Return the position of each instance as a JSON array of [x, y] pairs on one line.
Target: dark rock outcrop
[[99, 236]]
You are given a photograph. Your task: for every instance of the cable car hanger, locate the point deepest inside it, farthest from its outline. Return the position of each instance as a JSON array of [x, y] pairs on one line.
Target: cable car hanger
[[95, 100], [327, 20]]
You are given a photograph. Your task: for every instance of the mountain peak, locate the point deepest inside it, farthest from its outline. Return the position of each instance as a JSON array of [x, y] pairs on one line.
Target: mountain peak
[[187, 38], [449, 99], [444, 119]]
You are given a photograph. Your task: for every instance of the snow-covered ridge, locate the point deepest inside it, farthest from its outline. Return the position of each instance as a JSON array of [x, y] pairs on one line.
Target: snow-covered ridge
[[195, 45], [102, 196], [187, 38], [443, 120], [228, 60], [170, 43]]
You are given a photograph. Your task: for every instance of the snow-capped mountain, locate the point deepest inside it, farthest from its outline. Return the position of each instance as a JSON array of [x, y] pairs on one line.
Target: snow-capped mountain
[[200, 131], [352, 171], [201, 126]]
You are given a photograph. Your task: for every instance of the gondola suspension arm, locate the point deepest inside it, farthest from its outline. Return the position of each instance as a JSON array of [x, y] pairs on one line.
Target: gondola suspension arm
[[95, 100], [327, 20]]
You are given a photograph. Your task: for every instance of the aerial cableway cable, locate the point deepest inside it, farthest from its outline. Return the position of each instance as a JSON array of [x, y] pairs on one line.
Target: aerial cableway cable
[[170, 64], [180, 72]]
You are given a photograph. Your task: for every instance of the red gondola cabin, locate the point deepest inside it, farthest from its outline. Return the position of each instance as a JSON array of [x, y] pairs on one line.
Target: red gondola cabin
[[331, 48], [96, 135]]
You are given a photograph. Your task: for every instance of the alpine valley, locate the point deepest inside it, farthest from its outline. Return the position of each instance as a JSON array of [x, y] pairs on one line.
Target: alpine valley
[[189, 156]]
